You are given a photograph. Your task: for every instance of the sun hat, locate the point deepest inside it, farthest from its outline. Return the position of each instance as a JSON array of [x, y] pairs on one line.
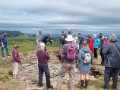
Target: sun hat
[[69, 38]]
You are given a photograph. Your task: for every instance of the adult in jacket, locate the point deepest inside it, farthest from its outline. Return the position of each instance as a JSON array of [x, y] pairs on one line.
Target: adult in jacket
[[111, 61]]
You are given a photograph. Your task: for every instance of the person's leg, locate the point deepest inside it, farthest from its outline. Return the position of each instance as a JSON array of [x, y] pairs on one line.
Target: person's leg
[[95, 53], [2, 51], [64, 68], [108, 71], [6, 47], [82, 78], [47, 74], [72, 76], [40, 75], [115, 77], [87, 77], [15, 70]]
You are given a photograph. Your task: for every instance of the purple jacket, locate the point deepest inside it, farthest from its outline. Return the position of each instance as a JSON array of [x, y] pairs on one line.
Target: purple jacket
[[43, 57], [16, 56]]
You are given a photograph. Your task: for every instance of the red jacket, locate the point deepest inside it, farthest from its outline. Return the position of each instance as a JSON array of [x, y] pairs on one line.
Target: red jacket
[[91, 45]]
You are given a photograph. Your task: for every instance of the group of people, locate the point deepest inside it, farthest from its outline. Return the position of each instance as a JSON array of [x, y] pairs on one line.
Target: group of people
[[4, 44], [80, 50]]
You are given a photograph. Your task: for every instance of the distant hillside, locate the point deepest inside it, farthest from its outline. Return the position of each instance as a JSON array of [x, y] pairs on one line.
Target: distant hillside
[[11, 33], [22, 38]]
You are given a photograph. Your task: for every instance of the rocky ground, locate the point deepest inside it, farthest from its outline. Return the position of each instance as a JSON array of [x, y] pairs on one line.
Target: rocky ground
[[29, 73]]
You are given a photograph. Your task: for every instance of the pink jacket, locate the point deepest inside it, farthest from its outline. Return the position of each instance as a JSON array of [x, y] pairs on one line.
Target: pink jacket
[[16, 56]]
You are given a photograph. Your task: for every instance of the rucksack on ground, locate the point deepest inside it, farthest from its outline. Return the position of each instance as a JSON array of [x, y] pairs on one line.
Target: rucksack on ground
[[71, 52], [87, 58]]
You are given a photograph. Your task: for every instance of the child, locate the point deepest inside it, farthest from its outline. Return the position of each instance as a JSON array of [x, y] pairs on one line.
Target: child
[[16, 61], [84, 68]]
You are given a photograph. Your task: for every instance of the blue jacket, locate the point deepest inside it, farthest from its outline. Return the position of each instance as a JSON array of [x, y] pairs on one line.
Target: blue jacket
[[81, 39], [46, 39], [96, 42], [4, 40], [83, 67], [112, 54]]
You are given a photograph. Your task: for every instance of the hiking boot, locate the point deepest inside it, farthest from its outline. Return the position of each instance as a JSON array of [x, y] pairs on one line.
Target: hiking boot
[[50, 87], [114, 87], [104, 87], [8, 55], [41, 88], [3, 56], [86, 84], [82, 84]]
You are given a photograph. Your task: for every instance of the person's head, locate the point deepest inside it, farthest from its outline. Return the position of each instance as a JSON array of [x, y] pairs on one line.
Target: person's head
[[94, 35], [79, 34], [49, 35], [113, 37], [4, 34], [16, 46], [40, 32], [62, 32], [69, 39], [70, 31], [84, 43], [42, 46], [89, 37], [100, 33]]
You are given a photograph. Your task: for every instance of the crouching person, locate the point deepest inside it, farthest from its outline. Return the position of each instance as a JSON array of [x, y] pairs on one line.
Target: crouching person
[[43, 58], [84, 58], [16, 61], [69, 53]]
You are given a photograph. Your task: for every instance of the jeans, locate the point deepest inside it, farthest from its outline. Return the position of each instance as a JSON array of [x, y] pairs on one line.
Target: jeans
[[42, 69], [111, 72], [6, 47]]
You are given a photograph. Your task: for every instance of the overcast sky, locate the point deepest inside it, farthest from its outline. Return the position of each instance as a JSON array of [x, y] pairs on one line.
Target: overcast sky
[[50, 15]]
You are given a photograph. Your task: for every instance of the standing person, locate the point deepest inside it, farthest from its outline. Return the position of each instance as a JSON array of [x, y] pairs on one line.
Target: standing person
[[107, 41], [43, 58], [39, 39], [84, 66], [47, 39], [62, 38], [69, 54], [100, 36], [111, 61], [4, 44], [16, 60], [70, 31], [91, 43], [102, 41], [76, 41], [81, 39], [96, 45]]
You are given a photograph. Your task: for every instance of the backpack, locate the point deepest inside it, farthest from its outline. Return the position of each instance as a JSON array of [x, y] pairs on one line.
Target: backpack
[[87, 57], [71, 52]]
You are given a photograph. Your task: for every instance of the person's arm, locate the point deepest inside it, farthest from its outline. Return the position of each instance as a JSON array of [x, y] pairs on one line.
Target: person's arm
[[80, 55], [50, 41], [105, 49], [47, 56]]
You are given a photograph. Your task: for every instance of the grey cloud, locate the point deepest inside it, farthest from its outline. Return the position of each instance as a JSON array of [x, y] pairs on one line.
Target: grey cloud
[[35, 13]]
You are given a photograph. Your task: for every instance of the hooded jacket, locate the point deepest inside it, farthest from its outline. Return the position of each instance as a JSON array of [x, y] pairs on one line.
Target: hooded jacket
[[112, 54], [83, 67]]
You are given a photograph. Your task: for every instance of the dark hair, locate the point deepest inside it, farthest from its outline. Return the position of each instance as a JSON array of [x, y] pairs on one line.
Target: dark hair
[[79, 33]]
